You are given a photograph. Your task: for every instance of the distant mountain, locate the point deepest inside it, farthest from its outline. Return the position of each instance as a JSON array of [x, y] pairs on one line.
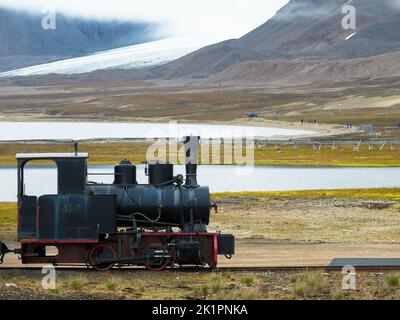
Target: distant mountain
[[304, 41], [308, 29], [24, 42]]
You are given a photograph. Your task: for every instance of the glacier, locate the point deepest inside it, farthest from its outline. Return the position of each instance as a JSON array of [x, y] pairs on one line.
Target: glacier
[[132, 57]]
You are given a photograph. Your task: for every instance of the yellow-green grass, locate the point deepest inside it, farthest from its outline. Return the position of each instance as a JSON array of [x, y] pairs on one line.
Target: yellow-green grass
[[327, 156], [111, 153], [309, 283], [375, 194], [141, 285], [99, 153], [8, 221]]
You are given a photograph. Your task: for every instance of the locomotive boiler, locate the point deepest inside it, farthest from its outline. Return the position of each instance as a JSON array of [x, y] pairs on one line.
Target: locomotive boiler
[[160, 224]]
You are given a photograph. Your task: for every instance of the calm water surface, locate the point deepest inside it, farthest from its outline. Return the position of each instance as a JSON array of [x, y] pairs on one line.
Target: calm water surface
[[10, 131], [43, 180]]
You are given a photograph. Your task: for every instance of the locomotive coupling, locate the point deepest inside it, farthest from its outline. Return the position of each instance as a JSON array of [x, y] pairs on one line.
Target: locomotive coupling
[[3, 251]]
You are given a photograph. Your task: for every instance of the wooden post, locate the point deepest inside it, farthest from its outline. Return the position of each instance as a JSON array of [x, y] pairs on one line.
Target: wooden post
[[357, 147]]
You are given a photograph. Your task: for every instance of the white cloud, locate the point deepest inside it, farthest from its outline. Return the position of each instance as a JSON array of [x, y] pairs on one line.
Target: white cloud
[[214, 19]]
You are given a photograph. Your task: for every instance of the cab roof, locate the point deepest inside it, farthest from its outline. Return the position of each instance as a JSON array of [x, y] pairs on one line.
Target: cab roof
[[50, 156]]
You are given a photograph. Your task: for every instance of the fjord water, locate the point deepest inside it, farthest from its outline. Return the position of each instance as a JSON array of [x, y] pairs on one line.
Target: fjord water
[[13, 131], [43, 180]]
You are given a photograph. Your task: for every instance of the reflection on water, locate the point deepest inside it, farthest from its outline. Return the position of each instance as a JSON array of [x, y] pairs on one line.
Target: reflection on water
[[43, 180]]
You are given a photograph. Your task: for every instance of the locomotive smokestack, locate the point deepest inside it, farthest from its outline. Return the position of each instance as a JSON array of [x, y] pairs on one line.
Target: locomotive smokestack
[[191, 160]]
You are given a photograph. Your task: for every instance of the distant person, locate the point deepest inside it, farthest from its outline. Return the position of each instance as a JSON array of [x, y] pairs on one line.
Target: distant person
[[302, 121]]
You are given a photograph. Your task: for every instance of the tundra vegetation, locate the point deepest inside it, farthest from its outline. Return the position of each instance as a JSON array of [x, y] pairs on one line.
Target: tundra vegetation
[[111, 153], [139, 284]]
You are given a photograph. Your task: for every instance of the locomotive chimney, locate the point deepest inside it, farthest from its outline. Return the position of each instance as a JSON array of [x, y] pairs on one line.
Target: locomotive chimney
[[191, 160]]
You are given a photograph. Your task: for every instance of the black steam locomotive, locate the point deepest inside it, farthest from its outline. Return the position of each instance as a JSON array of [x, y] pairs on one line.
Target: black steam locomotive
[[157, 225]]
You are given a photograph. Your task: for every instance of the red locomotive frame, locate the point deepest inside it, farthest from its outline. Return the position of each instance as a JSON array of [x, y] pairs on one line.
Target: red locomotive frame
[[84, 251]]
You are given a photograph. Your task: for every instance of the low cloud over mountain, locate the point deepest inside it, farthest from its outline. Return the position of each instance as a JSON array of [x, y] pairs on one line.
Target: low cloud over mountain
[[24, 42]]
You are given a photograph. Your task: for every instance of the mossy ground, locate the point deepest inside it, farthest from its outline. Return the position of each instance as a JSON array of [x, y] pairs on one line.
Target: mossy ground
[[8, 221], [112, 153]]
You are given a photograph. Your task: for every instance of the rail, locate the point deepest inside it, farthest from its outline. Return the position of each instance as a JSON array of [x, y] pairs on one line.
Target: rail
[[276, 269]]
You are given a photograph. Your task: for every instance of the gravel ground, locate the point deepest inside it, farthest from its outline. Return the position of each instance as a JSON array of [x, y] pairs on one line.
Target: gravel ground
[[134, 285]]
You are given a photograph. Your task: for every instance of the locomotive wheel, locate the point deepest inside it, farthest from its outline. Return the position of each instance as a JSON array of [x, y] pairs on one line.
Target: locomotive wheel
[[158, 263], [101, 251]]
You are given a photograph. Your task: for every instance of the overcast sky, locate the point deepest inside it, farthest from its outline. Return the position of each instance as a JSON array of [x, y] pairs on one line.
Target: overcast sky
[[219, 19]]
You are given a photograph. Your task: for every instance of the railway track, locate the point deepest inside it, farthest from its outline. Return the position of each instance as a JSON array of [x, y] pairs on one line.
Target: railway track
[[276, 269], [309, 268]]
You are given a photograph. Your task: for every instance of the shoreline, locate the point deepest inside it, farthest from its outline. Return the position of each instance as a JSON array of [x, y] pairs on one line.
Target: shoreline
[[392, 194]]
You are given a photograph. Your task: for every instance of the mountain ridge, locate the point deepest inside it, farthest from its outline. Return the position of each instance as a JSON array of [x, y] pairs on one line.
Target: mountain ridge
[[24, 42], [303, 29]]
